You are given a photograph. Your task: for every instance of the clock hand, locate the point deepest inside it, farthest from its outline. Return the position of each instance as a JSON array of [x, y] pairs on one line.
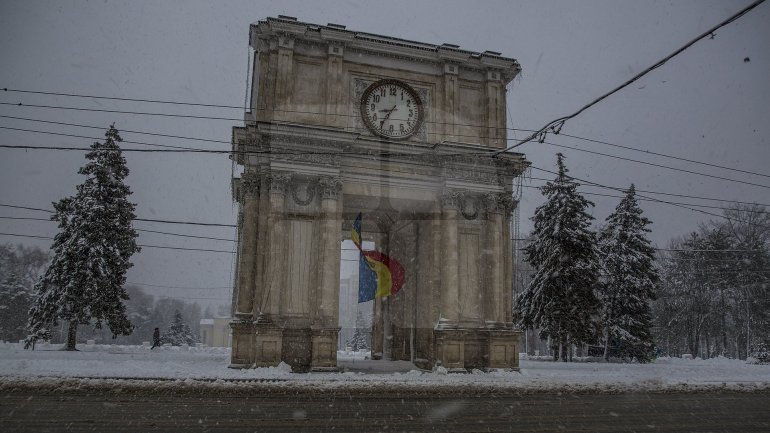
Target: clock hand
[[382, 122]]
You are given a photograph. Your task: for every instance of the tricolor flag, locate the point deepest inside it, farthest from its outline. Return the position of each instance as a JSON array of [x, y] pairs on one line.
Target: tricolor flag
[[378, 274]]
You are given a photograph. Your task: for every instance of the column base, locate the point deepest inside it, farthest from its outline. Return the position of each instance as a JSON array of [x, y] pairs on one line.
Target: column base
[[242, 352], [324, 342], [477, 348]]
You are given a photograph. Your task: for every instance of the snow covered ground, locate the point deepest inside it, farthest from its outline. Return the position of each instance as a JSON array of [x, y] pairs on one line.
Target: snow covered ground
[[208, 366]]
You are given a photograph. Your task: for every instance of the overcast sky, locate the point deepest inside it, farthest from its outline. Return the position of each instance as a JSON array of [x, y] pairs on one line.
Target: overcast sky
[[711, 103]]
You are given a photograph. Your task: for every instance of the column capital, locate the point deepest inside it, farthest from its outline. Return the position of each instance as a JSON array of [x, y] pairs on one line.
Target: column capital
[[451, 199], [250, 183], [278, 182], [330, 187]]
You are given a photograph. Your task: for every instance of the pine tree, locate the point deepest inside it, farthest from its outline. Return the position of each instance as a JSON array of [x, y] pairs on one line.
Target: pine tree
[[560, 298], [178, 333], [630, 283], [91, 252]]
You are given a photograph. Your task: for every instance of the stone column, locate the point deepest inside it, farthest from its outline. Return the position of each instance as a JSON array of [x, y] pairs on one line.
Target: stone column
[[493, 239], [329, 247], [508, 205], [247, 253], [450, 260], [274, 275], [325, 329]]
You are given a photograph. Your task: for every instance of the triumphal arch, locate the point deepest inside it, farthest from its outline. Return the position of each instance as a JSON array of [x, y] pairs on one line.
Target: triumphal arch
[[343, 122]]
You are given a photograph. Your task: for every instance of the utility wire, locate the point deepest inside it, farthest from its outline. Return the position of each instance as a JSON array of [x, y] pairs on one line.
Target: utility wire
[[153, 101], [135, 219], [651, 198], [675, 195], [352, 153], [656, 201], [655, 165], [434, 133], [129, 131], [649, 152], [141, 245], [94, 138], [555, 126]]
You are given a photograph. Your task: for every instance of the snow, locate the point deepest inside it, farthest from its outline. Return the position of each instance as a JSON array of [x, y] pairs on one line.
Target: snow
[[169, 367]]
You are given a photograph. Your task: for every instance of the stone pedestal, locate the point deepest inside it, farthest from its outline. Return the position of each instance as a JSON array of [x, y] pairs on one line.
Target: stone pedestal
[[268, 342], [450, 348], [503, 347], [469, 348], [295, 349], [324, 349], [242, 355]]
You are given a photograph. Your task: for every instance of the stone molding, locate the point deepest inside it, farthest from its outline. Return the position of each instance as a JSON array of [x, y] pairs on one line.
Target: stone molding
[[471, 204]]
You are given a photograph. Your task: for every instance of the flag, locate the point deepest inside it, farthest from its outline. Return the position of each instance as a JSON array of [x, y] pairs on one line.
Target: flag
[[378, 274]]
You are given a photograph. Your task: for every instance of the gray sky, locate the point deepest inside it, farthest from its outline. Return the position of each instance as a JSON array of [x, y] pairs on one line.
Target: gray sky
[[708, 104]]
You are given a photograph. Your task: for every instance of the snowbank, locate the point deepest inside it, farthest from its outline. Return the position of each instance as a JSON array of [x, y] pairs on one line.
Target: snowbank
[[177, 369]]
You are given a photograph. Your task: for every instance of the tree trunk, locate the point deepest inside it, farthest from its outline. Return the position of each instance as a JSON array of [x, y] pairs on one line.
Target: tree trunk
[[607, 344], [72, 335]]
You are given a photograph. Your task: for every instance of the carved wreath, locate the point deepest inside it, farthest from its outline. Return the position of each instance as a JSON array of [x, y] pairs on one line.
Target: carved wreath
[[467, 215], [310, 192]]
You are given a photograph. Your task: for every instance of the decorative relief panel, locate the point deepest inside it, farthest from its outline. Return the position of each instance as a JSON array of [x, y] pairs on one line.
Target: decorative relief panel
[[303, 192]]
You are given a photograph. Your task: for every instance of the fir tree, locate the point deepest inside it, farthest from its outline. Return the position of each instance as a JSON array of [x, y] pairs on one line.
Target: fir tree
[[178, 333], [560, 298], [630, 283], [91, 252]]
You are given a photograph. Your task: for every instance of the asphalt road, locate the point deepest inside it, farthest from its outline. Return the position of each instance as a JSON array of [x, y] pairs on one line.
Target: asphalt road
[[29, 411]]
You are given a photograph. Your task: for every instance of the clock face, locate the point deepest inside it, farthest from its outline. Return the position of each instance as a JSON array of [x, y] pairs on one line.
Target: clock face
[[391, 109]]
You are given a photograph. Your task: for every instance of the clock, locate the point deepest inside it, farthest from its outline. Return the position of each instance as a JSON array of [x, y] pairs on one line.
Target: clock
[[391, 109]]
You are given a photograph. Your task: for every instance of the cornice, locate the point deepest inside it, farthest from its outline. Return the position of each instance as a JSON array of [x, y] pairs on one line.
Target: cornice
[[383, 45]]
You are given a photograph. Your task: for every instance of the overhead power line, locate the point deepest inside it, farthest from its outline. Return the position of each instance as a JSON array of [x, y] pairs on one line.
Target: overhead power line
[[353, 153], [697, 197], [135, 219], [651, 198], [129, 131], [650, 152], [655, 201], [113, 98], [556, 125], [337, 115], [655, 165], [93, 138], [141, 245]]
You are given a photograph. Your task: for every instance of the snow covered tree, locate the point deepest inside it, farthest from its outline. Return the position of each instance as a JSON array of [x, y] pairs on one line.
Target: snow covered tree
[[630, 282], [91, 252], [19, 268], [15, 300], [560, 298], [362, 337], [178, 333]]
